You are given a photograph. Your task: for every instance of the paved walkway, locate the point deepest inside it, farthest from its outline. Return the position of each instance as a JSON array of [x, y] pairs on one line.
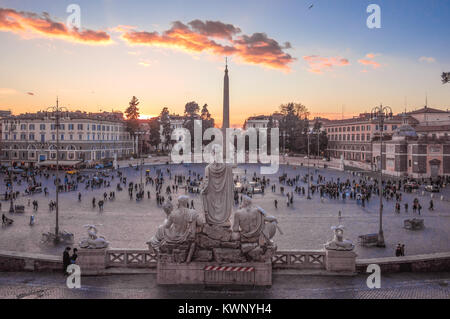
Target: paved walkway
[[44, 286], [130, 224]]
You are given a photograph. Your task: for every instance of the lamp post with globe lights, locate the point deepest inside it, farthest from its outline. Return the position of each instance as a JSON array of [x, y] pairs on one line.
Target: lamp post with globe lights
[[56, 112], [380, 114]]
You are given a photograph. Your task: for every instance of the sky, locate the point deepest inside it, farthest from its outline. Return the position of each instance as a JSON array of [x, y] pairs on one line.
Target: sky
[[168, 53]]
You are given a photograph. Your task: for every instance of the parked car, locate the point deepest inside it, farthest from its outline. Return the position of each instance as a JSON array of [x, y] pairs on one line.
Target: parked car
[[99, 166], [432, 188]]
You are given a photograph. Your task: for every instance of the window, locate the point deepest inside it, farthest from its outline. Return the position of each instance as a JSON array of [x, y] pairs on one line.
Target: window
[[42, 138], [62, 126], [6, 136], [23, 126], [80, 126], [31, 127], [70, 127], [80, 137], [23, 137], [53, 127], [53, 137], [71, 137], [368, 137], [62, 137], [31, 137]]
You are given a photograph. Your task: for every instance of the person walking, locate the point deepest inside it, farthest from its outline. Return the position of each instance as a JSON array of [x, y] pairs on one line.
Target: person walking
[[276, 204], [431, 205]]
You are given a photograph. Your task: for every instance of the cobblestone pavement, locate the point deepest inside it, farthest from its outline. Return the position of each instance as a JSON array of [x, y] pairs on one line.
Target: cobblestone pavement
[[393, 286], [306, 225]]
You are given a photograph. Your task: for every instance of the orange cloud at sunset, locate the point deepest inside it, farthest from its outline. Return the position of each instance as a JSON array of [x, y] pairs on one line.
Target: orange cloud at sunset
[[374, 64], [198, 36], [31, 23], [318, 64]]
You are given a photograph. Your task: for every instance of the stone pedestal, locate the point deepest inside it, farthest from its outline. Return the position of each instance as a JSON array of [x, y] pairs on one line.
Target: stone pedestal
[[210, 273], [340, 260], [92, 261]]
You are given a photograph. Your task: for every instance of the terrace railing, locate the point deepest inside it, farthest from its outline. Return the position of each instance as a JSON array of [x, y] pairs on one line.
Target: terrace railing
[[305, 259]]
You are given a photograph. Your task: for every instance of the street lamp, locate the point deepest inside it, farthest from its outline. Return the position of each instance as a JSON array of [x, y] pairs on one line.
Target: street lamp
[[380, 114], [309, 177], [11, 207], [56, 110]]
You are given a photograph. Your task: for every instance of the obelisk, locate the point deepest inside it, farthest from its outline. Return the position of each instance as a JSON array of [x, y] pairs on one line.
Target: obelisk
[[226, 101]]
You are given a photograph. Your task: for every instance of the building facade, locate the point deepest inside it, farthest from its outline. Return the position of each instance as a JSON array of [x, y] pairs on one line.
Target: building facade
[[351, 139], [30, 139], [414, 144]]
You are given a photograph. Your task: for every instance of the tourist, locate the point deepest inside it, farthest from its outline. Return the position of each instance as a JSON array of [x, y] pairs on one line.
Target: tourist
[[66, 259], [74, 256], [276, 203], [431, 205], [398, 250]]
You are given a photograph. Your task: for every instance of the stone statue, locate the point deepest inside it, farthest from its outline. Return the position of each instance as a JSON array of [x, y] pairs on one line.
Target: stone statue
[[255, 229], [93, 241], [338, 242], [179, 228], [217, 194]]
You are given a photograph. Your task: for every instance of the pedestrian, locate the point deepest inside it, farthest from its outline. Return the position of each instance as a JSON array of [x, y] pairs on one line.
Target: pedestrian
[[431, 205], [402, 250], [276, 203], [398, 250], [79, 197], [66, 259], [74, 256], [339, 215]]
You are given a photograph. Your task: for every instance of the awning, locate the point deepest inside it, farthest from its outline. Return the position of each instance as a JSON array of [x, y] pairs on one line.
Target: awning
[[61, 163]]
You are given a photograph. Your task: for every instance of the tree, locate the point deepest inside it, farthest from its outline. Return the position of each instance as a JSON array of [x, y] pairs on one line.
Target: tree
[[293, 126], [191, 110], [132, 115], [164, 117], [207, 120], [445, 77], [155, 132]]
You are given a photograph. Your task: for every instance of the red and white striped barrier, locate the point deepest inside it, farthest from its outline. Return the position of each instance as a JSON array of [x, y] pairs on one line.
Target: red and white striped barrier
[[225, 268]]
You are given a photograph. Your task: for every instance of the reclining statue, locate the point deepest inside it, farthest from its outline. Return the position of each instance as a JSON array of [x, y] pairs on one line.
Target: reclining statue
[[255, 229], [179, 227]]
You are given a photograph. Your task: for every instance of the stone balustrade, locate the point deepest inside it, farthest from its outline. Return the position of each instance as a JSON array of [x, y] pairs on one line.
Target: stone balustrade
[[304, 259], [127, 258]]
